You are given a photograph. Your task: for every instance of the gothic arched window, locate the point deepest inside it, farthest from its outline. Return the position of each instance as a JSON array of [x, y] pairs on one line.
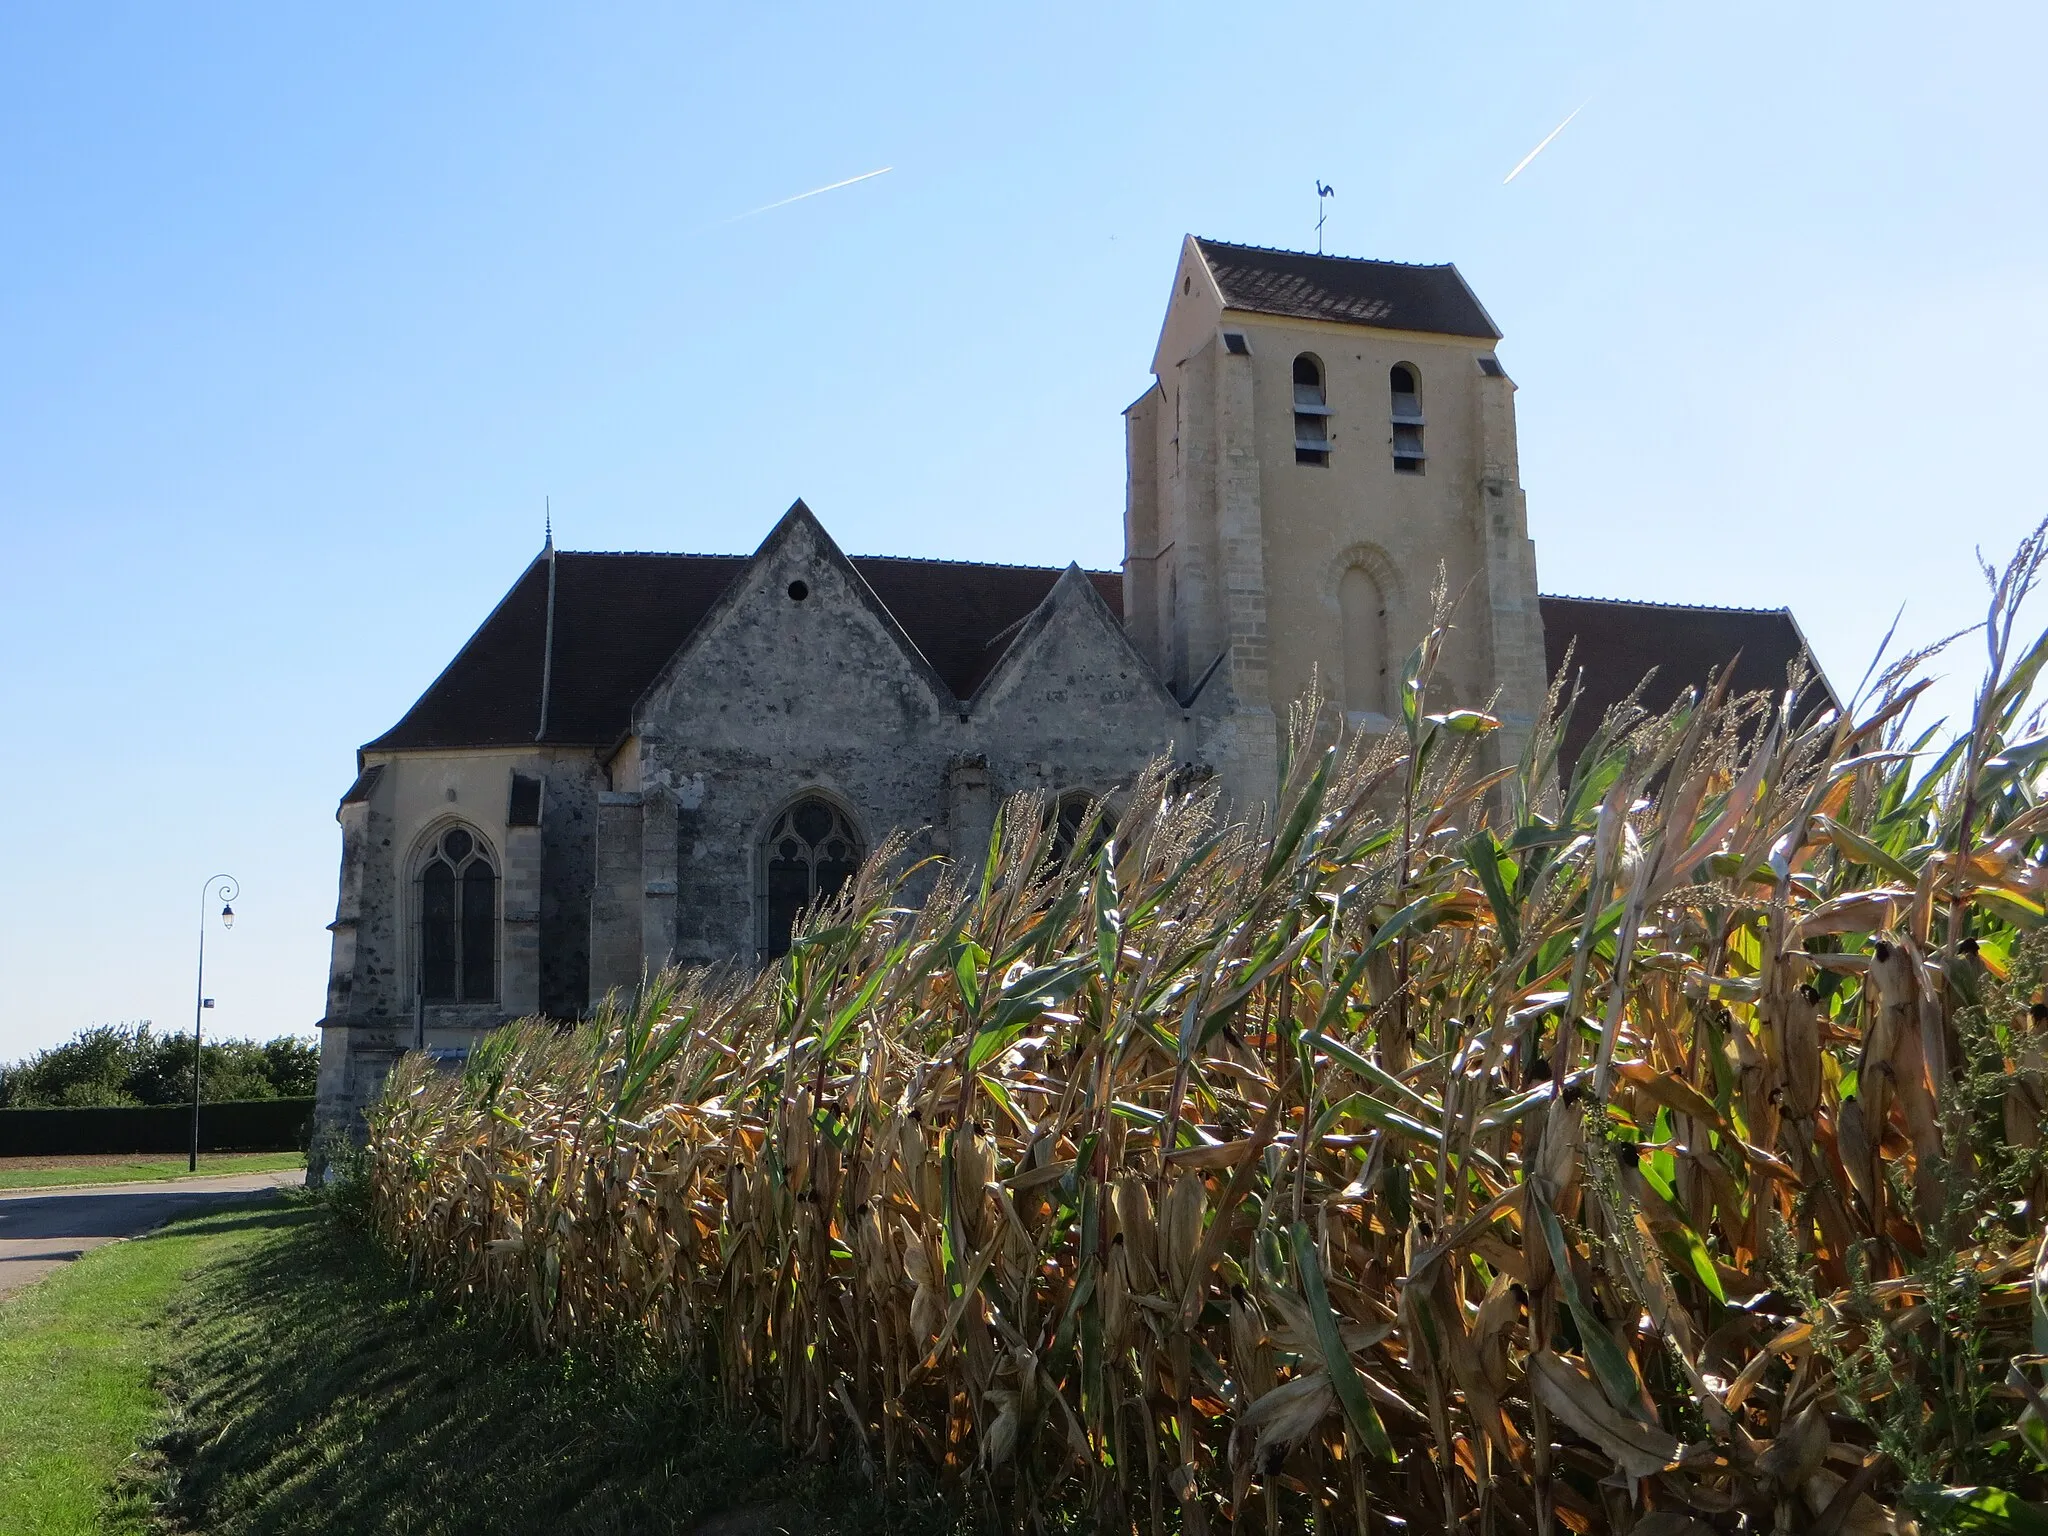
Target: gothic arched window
[[811, 852], [1407, 401], [1311, 412], [1076, 819], [458, 907]]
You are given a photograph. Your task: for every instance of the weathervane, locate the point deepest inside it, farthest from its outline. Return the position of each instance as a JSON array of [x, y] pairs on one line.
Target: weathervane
[[1323, 193]]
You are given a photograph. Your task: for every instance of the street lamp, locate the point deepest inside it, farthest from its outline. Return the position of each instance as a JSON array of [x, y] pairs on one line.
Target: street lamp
[[226, 888]]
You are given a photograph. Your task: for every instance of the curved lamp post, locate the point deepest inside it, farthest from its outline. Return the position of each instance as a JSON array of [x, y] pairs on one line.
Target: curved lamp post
[[226, 889]]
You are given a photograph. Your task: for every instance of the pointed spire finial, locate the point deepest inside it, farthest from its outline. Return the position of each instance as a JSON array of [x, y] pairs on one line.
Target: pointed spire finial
[[549, 521]]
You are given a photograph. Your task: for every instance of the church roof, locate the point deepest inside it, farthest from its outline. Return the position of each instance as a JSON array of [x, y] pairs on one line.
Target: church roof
[[1391, 295], [619, 617], [1618, 642]]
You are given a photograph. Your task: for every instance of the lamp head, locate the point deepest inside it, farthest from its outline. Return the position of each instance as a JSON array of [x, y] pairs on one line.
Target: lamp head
[[227, 916]]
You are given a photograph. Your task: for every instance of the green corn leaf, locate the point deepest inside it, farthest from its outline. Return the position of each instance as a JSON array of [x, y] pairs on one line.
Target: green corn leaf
[[1021, 1003], [1109, 922], [1392, 1121], [1365, 1420], [1991, 1511], [1415, 915], [1617, 1377], [1411, 687], [1300, 818], [1483, 853], [2040, 1305], [1465, 722], [1371, 1071], [967, 964], [1864, 851]]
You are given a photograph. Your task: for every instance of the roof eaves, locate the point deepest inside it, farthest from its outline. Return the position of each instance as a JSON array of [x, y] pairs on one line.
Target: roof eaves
[[1484, 314], [1813, 660]]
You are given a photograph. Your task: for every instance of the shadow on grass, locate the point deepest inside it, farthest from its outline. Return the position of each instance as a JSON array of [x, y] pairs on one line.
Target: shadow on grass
[[312, 1390]]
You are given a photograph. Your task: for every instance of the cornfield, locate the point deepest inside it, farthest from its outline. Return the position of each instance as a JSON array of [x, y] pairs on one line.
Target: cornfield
[[1652, 1146]]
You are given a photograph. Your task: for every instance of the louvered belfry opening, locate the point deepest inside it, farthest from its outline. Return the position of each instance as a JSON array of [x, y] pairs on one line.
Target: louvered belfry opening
[[1407, 413], [1311, 412]]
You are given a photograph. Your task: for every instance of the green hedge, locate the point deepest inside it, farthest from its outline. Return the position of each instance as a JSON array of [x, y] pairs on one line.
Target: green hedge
[[232, 1125]]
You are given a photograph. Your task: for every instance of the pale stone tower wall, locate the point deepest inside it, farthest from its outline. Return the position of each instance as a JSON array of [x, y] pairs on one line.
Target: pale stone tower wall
[[1240, 558]]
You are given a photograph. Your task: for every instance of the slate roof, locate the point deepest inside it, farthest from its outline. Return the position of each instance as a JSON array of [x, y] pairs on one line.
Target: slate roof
[[620, 617], [1619, 642], [1391, 295]]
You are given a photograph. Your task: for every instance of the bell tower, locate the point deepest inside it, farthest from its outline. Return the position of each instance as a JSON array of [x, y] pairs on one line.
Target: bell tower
[[1322, 438]]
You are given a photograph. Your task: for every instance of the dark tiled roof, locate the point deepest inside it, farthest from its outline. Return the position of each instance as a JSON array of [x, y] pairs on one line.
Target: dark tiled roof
[[961, 615], [1387, 294], [620, 617], [1619, 642]]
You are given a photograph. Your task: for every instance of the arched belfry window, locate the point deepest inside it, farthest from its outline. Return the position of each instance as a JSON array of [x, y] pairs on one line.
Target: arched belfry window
[[1311, 412], [1407, 412], [811, 852], [458, 911]]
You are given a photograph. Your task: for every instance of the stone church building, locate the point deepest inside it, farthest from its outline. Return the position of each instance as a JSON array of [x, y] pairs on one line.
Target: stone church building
[[640, 758]]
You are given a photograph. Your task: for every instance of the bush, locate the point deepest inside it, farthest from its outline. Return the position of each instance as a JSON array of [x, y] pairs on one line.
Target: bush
[[111, 1065]]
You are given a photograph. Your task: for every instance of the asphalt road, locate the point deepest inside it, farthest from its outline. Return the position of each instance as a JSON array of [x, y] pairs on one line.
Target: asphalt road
[[43, 1229]]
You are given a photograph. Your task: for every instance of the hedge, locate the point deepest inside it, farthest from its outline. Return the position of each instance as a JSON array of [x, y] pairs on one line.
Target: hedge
[[232, 1125]]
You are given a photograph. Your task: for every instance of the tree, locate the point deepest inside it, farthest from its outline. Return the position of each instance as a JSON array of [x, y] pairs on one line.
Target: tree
[[117, 1064]]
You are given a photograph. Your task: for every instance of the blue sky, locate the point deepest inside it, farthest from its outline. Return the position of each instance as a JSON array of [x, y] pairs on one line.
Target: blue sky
[[304, 312]]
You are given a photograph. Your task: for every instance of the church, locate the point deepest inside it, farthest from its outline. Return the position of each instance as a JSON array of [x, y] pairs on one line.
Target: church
[[640, 759]]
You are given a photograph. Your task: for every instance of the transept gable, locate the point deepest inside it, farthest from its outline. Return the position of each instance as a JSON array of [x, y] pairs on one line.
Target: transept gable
[[1070, 643], [799, 627]]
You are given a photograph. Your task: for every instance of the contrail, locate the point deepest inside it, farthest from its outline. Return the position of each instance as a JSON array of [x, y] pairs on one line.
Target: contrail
[[814, 192], [1560, 128]]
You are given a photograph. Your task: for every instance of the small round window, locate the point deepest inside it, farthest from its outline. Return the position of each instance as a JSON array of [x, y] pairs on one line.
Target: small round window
[[798, 591]]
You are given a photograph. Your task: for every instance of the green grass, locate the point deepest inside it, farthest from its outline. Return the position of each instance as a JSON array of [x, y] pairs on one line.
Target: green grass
[[311, 1389], [78, 1352], [39, 1172]]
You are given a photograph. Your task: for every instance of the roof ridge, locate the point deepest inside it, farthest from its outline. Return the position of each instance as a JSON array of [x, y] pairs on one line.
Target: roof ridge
[[983, 565], [1369, 261], [649, 554], [687, 554], [1641, 602]]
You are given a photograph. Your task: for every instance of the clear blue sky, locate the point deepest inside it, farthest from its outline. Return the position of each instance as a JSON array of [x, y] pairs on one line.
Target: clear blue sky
[[304, 310]]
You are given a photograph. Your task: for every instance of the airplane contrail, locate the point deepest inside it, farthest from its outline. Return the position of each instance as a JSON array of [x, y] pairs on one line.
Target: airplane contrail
[[814, 192], [1560, 128]]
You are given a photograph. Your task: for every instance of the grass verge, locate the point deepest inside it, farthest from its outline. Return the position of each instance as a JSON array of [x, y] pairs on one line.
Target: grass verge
[[54, 1172], [312, 1389], [77, 1354]]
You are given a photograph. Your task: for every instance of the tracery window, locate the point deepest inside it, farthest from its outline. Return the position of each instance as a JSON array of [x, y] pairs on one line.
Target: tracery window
[[810, 854], [1077, 818], [458, 907]]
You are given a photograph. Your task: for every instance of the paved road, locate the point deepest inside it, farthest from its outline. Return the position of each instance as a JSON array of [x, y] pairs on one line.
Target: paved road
[[42, 1229]]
